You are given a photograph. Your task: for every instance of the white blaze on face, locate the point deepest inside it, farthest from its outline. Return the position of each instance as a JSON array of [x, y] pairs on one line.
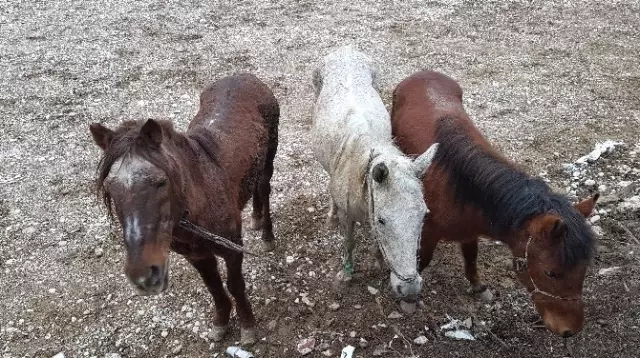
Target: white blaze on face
[[129, 172]]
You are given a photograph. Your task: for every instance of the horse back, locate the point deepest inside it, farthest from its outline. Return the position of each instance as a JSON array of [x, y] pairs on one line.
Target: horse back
[[238, 119], [424, 104]]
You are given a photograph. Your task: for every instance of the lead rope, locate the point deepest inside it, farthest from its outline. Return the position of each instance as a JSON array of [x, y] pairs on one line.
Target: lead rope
[[535, 287], [217, 239]]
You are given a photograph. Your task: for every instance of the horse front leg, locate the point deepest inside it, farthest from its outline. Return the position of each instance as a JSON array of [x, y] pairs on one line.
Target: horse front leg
[[469, 251], [208, 270], [332, 217], [348, 244], [237, 288]]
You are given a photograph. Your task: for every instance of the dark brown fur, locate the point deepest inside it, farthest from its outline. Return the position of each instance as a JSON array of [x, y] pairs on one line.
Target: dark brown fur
[[213, 170], [474, 191]]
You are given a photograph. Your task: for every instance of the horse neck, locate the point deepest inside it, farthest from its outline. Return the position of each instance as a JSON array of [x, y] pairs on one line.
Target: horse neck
[[360, 156], [202, 179]]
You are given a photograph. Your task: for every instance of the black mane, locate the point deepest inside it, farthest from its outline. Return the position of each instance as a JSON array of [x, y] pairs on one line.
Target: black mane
[[506, 195]]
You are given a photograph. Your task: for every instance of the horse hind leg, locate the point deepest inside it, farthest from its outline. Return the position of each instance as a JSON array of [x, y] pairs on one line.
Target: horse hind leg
[[469, 251], [262, 205]]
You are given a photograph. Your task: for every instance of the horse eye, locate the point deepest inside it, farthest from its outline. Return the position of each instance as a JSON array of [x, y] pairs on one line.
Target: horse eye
[[161, 184], [552, 274], [381, 221]]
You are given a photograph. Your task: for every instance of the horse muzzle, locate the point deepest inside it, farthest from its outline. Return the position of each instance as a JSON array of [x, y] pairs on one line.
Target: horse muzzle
[[151, 280], [407, 288]]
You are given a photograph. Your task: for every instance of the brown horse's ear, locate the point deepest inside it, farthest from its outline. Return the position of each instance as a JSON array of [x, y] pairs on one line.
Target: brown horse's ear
[[101, 135], [151, 133], [558, 230], [586, 206]]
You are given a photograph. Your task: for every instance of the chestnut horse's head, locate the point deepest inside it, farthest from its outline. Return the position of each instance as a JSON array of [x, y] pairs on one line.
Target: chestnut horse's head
[[137, 179], [551, 260]]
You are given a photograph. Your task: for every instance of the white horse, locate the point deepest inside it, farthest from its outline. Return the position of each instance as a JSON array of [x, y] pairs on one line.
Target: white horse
[[370, 179]]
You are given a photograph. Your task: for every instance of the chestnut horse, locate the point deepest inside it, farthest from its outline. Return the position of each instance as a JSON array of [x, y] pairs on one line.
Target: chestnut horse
[[152, 175], [474, 191]]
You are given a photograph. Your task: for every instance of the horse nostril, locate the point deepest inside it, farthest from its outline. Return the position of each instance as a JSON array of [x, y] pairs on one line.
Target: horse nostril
[[567, 334], [398, 289], [156, 275]]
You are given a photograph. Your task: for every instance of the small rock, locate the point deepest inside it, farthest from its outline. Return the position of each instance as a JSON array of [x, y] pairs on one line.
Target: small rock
[[597, 230], [306, 345], [334, 306], [408, 307], [380, 350], [177, 349], [311, 209], [394, 315], [271, 326], [372, 290], [289, 260], [307, 301], [112, 355], [357, 307], [52, 290], [59, 355], [594, 219], [327, 353], [608, 270], [353, 334], [602, 188], [164, 334], [363, 343], [589, 182], [98, 252], [420, 340]]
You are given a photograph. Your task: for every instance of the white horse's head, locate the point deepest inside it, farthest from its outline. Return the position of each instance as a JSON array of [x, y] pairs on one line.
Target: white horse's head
[[396, 213]]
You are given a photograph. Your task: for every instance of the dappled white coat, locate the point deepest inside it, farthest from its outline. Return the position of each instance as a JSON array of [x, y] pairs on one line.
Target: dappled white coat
[[351, 139], [350, 120]]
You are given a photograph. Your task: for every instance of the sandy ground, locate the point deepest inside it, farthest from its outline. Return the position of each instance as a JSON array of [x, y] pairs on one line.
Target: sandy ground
[[544, 81]]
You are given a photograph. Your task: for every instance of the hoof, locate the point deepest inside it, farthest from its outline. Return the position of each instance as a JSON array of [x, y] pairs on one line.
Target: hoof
[[268, 246], [343, 277], [218, 332], [408, 307], [247, 336], [255, 223]]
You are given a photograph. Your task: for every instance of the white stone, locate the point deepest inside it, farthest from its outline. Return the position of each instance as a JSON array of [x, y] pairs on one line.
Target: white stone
[[420, 340]]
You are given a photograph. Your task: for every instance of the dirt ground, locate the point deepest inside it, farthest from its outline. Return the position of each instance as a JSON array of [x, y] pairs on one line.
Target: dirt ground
[[545, 81]]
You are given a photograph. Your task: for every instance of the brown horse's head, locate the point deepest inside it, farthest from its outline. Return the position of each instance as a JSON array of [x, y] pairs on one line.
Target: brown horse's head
[[137, 179], [551, 260]]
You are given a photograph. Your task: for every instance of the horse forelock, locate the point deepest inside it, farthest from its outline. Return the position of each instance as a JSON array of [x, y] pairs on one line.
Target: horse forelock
[[127, 144], [507, 197]]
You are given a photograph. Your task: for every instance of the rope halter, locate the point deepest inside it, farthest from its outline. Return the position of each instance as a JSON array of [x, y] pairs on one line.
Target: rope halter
[[522, 263]]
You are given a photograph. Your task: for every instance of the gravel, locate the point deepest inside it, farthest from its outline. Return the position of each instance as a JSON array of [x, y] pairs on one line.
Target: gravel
[[543, 80]]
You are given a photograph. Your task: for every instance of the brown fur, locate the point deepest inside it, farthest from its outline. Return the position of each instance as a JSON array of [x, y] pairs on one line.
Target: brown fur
[[225, 157], [474, 191]]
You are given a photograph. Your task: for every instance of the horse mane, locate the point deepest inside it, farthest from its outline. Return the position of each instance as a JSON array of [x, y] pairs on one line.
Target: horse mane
[[506, 195], [127, 142]]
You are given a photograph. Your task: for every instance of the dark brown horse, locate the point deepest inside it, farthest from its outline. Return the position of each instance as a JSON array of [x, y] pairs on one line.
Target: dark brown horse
[[474, 191], [152, 175]]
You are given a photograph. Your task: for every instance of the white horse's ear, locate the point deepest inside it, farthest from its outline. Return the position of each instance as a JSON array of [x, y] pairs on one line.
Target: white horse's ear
[[317, 81], [422, 163]]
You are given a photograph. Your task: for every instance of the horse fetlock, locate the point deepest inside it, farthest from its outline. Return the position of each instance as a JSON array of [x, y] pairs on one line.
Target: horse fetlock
[[255, 223], [218, 333], [268, 245], [247, 336]]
